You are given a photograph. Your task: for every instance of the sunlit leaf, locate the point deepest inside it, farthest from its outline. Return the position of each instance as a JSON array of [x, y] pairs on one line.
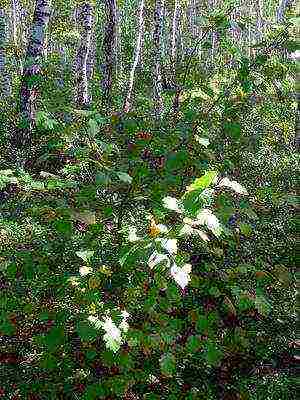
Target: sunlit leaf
[[203, 141], [225, 182], [206, 217], [181, 275], [203, 182], [171, 203], [157, 258], [170, 245], [84, 270], [85, 255], [124, 177]]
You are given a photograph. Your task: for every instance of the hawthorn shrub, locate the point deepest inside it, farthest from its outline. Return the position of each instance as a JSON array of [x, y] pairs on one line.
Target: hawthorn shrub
[[145, 285], [144, 260]]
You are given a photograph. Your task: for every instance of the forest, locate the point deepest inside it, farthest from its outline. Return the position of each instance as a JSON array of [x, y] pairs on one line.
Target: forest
[[148, 199]]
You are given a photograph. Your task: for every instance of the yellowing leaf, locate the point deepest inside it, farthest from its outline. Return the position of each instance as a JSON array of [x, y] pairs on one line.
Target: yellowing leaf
[[94, 283], [154, 229], [105, 270], [230, 305], [93, 308], [87, 217]]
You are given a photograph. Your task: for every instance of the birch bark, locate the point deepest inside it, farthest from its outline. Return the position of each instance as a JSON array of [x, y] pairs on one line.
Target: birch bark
[[16, 21], [281, 10], [32, 72], [4, 78], [83, 98], [139, 42], [175, 30], [157, 42]]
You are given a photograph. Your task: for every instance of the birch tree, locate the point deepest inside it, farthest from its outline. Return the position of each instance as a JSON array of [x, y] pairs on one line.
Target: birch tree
[[109, 48], [157, 42], [281, 10], [16, 23], [175, 20], [4, 78], [82, 97], [137, 55], [32, 72]]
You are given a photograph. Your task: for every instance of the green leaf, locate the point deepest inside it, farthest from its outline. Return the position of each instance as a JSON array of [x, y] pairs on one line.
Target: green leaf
[[176, 160], [213, 354], [6, 328], [233, 130], [55, 338], [124, 177], [193, 344], [292, 45], [245, 229], [86, 331], [91, 354], [204, 182], [202, 324], [130, 252], [168, 364], [102, 179], [152, 396], [49, 362], [193, 202], [100, 119], [95, 391], [53, 184], [262, 305], [62, 226], [93, 127]]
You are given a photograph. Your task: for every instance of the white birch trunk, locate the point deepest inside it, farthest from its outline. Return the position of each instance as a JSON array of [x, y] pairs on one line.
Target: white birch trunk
[[4, 78], [281, 10], [139, 42], [32, 71], [259, 25], [157, 41], [15, 23], [175, 30], [83, 98]]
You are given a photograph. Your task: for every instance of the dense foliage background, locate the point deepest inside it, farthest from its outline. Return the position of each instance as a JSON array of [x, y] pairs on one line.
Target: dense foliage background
[[148, 174]]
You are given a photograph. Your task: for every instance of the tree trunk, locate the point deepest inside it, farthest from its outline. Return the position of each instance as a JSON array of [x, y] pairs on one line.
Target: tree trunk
[[4, 78], [157, 42], [281, 10], [109, 49], [175, 30], [83, 98], [258, 35], [32, 73], [15, 22], [139, 42], [191, 17]]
